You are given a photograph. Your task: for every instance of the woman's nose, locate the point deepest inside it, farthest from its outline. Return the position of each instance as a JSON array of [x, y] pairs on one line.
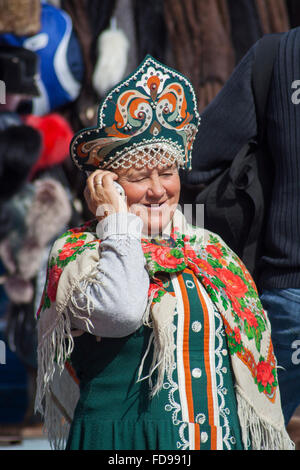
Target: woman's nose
[[156, 189]]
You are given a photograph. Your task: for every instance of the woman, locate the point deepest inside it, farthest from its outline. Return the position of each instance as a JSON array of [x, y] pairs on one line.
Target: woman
[[151, 332]]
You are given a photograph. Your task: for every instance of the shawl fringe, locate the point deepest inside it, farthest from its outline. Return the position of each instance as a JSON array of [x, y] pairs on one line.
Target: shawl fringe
[[256, 431], [56, 346], [162, 338], [55, 425], [86, 306]]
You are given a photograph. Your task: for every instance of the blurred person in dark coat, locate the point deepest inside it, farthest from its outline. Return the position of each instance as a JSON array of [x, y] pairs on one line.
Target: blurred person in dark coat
[[228, 123]]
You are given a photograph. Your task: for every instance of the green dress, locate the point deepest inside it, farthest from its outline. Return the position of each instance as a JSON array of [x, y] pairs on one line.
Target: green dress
[[196, 408]]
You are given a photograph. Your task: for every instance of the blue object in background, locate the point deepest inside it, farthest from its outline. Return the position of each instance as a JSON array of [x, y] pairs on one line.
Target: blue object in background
[[13, 388], [13, 377], [61, 62]]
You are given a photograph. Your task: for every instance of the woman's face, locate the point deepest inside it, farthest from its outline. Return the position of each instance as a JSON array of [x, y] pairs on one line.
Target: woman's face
[[153, 194]]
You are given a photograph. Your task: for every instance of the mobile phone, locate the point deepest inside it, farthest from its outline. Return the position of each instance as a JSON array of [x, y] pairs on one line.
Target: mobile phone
[[117, 185], [119, 189]]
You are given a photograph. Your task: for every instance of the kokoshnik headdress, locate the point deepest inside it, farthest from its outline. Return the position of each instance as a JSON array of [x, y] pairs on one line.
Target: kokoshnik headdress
[[151, 116]]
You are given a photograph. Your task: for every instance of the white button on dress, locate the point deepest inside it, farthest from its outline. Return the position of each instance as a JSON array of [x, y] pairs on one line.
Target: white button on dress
[[196, 326], [196, 373]]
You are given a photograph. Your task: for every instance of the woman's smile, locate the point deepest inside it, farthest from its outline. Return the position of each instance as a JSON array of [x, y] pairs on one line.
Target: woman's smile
[[152, 194], [156, 206]]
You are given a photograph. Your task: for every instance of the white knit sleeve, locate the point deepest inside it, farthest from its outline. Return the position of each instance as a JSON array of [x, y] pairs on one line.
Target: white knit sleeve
[[115, 300]]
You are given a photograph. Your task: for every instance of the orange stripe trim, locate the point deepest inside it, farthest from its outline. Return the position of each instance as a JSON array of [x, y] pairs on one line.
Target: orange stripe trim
[[210, 404], [185, 350], [197, 436], [72, 372]]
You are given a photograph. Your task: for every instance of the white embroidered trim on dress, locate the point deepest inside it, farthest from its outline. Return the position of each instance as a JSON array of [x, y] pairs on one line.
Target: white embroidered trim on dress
[[219, 374]]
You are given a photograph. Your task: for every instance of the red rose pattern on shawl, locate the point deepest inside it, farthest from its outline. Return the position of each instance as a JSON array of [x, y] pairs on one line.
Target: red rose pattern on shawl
[[234, 283], [74, 246], [265, 375], [167, 257], [221, 272], [54, 275], [215, 251]]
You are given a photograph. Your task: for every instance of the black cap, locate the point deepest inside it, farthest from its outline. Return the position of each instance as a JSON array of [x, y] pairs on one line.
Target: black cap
[[19, 68]]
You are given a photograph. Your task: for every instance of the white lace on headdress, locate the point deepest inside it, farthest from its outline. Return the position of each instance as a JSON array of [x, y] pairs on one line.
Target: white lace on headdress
[[149, 155]]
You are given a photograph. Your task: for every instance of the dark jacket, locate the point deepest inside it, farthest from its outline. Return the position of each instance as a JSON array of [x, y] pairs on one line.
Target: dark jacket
[[230, 121]]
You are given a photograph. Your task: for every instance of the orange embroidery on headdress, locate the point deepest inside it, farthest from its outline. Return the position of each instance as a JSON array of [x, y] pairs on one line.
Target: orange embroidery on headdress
[[153, 84], [134, 106], [113, 132]]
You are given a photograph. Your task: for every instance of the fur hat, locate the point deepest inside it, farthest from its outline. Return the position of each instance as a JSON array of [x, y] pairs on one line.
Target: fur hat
[[39, 212], [56, 134], [19, 150], [19, 69]]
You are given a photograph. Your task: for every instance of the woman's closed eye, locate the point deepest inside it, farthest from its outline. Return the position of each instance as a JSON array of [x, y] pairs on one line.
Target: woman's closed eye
[[145, 178], [138, 180]]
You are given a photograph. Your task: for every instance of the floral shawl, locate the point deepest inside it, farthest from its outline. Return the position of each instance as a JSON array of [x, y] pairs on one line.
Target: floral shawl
[[72, 262]]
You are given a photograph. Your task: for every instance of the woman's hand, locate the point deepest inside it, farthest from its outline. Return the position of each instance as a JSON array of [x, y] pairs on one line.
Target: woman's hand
[[101, 195]]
